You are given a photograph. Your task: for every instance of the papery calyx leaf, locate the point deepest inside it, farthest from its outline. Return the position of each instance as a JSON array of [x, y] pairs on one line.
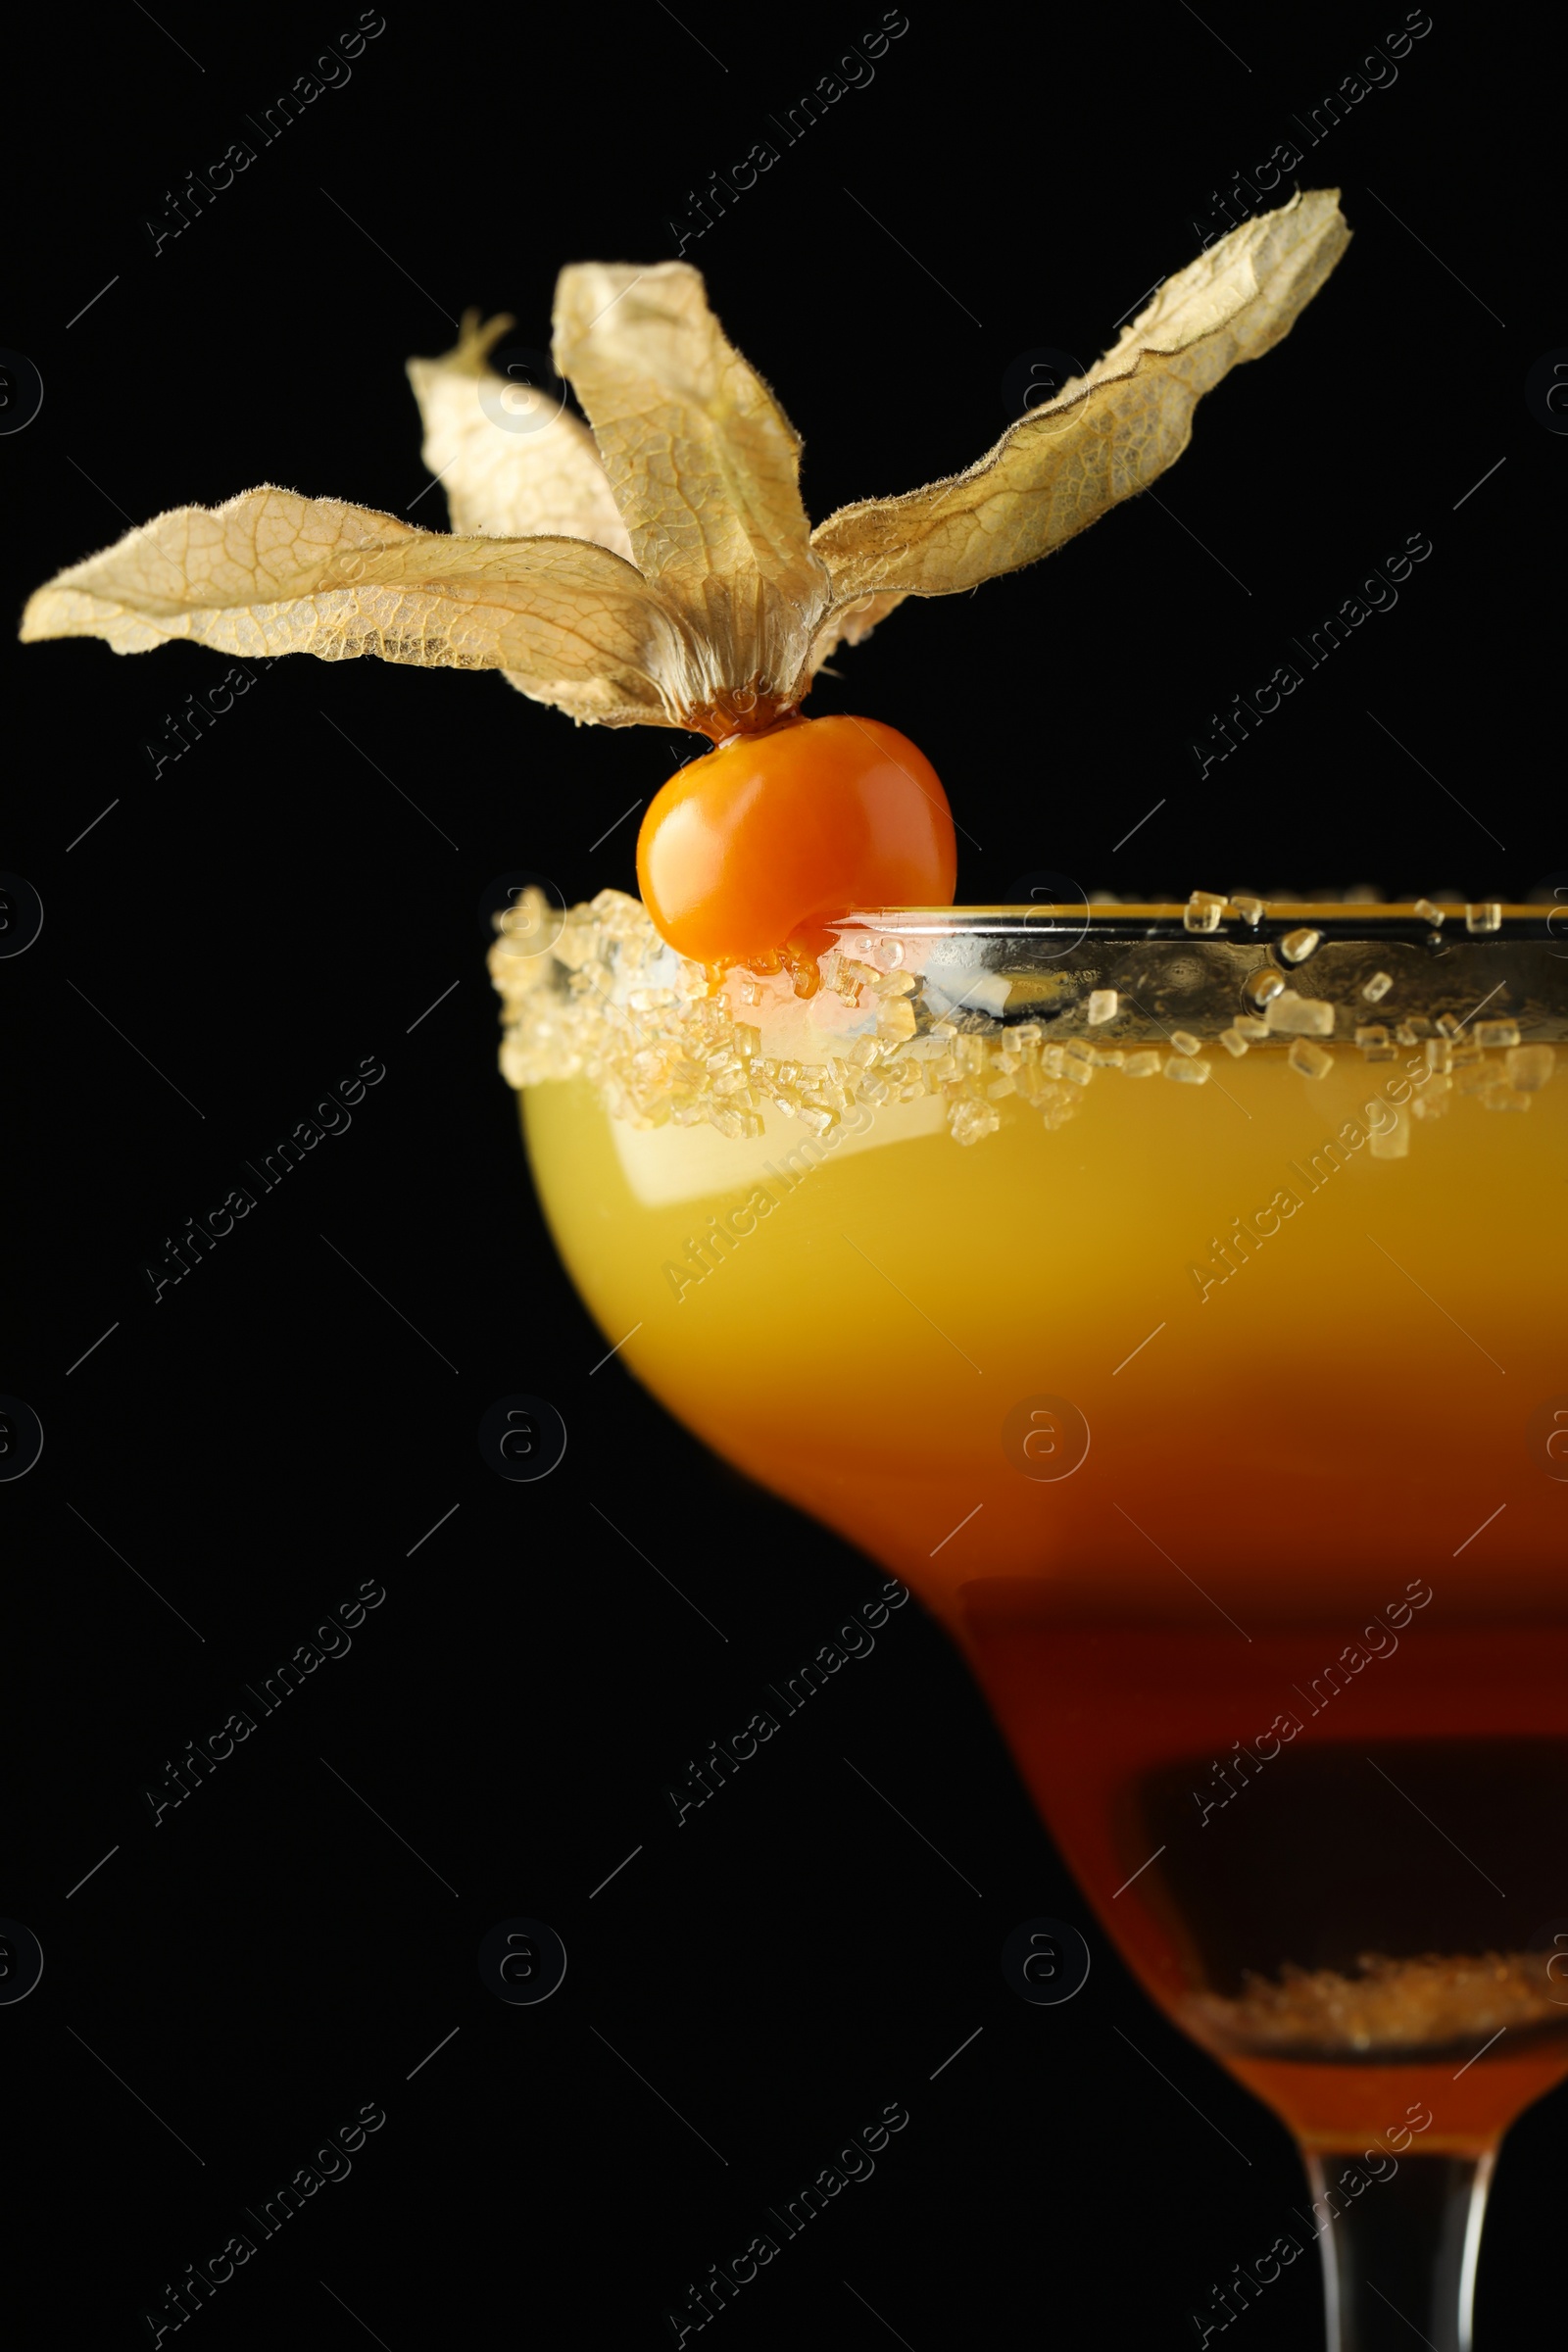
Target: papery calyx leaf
[[704, 464], [1107, 435], [273, 572], [511, 459]]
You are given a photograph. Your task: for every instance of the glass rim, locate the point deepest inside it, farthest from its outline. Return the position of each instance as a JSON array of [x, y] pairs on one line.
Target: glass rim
[[1347, 966], [1336, 920]]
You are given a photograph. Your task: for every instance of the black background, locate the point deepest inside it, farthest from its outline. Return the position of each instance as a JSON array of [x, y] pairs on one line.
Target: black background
[[237, 932]]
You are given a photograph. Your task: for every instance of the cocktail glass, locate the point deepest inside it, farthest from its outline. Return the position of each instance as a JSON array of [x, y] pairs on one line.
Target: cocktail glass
[[1222, 1246]]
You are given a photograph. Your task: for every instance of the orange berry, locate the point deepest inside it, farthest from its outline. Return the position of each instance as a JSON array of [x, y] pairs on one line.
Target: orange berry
[[745, 854]]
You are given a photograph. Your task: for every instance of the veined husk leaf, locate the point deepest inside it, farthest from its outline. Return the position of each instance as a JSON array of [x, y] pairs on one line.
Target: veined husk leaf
[[1106, 436], [273, 572], [508, 463], [704, 464]]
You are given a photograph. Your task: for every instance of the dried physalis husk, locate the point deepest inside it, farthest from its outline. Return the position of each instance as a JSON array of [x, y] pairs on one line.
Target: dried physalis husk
[[656, 565]]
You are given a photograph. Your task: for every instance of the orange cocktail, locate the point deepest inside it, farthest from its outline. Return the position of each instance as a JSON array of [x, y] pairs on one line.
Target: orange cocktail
[[1195, 1363]]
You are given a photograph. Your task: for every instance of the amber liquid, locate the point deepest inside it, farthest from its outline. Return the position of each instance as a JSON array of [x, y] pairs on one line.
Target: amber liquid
[[1272, 1463], [1417, 1810]]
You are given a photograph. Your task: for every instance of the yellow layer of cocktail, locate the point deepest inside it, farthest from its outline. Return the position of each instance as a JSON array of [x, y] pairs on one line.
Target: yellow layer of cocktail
[[1300, 1365]]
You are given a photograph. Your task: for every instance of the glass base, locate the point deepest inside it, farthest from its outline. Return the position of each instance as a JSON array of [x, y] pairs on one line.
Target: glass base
[[1400, 2264]]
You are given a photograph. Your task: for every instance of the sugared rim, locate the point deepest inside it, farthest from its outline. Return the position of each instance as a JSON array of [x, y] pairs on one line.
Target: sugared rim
[[977, 1005]]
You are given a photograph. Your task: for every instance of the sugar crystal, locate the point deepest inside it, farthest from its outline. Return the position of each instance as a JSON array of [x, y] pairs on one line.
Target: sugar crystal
[[1102, 1006], [1505, 1097], [1142, 1065], [1249, 1026], [969, 1120], [1429, 913], [1190, 1073], [1292, 1015], [1184, 1041], [1202, 911], [1496, 1033], [1297, 946], [1378, 987], [1233, 1042], [1529, 1067], [1313, 1061], [1485, 915]]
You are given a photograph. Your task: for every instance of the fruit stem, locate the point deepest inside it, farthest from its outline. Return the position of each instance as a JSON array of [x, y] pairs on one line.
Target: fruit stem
[[740, 710]]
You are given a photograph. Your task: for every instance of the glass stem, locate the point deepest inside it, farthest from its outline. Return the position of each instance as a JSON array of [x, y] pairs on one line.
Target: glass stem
[[1400, 2262]]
